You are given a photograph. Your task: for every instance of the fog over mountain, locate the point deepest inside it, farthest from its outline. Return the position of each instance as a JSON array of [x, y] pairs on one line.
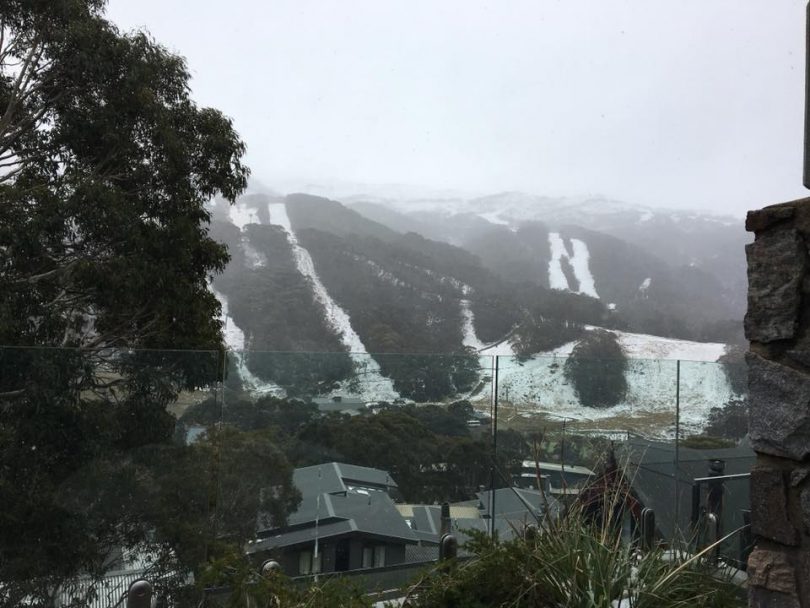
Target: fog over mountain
[[687, 105]]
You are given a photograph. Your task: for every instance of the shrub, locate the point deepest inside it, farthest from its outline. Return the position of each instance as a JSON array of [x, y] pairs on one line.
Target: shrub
[[729, 421], [596, 368], [574, 564]]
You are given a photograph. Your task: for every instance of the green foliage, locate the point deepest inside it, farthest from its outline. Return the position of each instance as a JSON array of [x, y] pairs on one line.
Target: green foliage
[[568, 272], [735, 368], [103, 212], [729, 421], [104, 246], [536, 337], [430, 377], [235, 583], [596, 368], [573, 564]]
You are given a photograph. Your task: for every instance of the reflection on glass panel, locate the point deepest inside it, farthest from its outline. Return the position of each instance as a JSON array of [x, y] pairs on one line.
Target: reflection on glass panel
[[360, 451], [576, 419], [155, 462]]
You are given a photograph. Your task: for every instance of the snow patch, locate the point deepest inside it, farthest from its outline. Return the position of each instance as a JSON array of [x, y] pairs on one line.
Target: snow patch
[[253, 257], [470, 338], [580, 262], [645, 284], [493, 217], [539, 384], [241, 216], [234, 337], [556, 277]]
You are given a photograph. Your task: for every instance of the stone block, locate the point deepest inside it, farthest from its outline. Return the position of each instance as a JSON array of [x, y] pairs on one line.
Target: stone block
[[779, 409], [763, 598], [760, 219], [776, 267], [771, 570], [769, 507], [799, 356], [798, 476]]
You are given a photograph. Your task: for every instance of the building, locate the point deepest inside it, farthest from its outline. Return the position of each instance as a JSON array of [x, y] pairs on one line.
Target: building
[[347, 520], [556, 478]]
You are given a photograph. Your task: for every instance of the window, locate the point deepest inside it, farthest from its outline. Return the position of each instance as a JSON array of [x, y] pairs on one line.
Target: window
[[307, 564], [373, 556]]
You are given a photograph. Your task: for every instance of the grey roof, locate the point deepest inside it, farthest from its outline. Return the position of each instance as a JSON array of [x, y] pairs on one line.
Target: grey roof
[[516, 502], [338, 509], [652, 473], [336, 477]]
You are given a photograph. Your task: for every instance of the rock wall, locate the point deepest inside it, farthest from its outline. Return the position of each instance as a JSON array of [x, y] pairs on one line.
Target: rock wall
[[778, 327]]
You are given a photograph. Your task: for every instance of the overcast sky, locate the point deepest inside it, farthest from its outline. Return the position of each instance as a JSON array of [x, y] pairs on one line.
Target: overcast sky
[[671, 103]]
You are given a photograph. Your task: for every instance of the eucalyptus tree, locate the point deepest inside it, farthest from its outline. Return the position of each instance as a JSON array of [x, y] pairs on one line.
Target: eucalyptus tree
[[106, 166]]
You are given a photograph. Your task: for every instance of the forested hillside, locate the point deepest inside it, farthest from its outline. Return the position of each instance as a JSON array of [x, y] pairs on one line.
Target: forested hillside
[[403, 293]]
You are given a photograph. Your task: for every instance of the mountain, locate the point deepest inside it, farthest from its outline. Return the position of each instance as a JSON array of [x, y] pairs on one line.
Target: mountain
[[314, 286], [664, 272]]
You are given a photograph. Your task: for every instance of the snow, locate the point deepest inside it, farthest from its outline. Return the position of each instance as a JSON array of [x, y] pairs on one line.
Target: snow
[[582, 269], [241, 216], [646, 216], [373, 385], [580, 262], [539, 385], [254, 258], [235, 340], [470, 338], [493, 217], [234, 337], [498, 349], [556, 277], [645, 284]]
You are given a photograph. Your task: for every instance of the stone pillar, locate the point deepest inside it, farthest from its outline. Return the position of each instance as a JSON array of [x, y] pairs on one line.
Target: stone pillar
[[778, 327]]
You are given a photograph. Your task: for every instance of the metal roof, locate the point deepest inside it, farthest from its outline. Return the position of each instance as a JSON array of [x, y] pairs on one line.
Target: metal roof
[[651, 470], [372, 515]]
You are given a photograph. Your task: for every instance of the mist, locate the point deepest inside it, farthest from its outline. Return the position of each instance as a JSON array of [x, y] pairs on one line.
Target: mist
[[681, 105]]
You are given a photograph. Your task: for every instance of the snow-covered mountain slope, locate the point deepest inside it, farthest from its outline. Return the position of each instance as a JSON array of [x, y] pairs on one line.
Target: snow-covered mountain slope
[[375, 386], [702, 241], [539, 386], [235, 341], [311, 276]]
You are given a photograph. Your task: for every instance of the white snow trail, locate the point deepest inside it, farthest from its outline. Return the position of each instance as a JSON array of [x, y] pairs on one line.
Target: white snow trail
[[469, 337], [556, 277], [373, 384], [235, 341], [580, 262], [582, 269]]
